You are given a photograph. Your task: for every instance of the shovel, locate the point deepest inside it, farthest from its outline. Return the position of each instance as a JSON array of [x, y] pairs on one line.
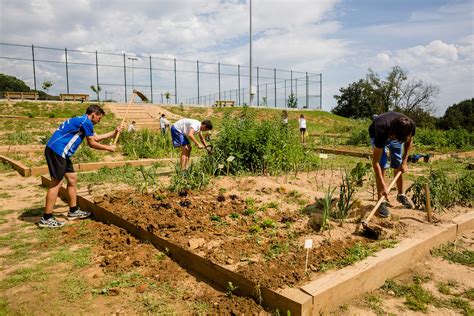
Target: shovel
[[135, 93], [376, 231]]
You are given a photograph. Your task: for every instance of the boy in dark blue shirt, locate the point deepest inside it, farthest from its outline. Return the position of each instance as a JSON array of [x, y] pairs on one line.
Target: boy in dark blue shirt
[[394, 131], [59, 149]]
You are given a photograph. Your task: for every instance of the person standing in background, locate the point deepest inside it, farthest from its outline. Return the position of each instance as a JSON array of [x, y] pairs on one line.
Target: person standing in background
[[302, 123]]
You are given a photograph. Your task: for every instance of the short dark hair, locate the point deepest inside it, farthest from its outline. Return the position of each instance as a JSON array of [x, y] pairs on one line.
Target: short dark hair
[[162, 115], [94, 108], [402, 127], [208, 124]]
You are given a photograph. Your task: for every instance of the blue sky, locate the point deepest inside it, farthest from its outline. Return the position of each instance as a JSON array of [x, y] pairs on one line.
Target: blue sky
[[432, 40]]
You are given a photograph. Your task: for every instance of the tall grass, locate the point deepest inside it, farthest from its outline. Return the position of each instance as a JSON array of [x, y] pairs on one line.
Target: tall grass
[[261, 147], [146, 144]]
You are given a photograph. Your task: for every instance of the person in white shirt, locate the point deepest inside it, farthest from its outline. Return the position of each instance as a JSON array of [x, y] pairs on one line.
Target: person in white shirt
[[163, 124], [132, 127], [184, 130], [302, 122]]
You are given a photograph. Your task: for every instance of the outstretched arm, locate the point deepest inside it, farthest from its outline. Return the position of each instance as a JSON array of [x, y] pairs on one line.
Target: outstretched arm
[[93, 143], [111, 134], [193, 139], [406, 151]]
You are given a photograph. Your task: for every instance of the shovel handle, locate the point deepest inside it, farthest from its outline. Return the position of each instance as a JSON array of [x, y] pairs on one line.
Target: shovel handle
[[399, 173], [125, 116]]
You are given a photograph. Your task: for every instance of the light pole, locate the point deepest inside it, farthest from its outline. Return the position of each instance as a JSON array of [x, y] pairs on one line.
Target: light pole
[[133, 80], [250, 68]]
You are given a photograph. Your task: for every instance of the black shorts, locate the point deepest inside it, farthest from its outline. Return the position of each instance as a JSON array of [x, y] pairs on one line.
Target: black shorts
[[57, 165], [302, 129]]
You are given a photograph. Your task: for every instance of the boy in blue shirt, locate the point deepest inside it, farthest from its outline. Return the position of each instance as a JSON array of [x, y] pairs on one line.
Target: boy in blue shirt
[[59, 149]]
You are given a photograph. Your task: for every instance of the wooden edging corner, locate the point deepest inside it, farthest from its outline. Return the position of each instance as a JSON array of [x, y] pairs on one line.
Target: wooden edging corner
[[319, 296], [337, 287], [293, 300]]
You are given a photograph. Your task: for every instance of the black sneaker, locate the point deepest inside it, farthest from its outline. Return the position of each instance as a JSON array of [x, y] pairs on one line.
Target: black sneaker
[[78, 214], [383, 210], [402, 198], [50, 223]]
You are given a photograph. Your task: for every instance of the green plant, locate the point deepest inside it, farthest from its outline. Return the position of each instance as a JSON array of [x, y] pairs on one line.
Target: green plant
[[327, 209], [455, 254], [346, 195], [445, 192], [189, 179], [234, 215], [262, 147], [359, 172], [248, 212], [230, 289], [268, 223], [145, 144]]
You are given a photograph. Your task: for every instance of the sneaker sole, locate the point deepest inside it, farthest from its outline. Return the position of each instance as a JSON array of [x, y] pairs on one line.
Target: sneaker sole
[[77, 217], [47, 226], [383, 215]]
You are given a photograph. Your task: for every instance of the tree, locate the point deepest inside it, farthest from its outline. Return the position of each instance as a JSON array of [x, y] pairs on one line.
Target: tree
[[10, 83], [46, 86], [167, 96], [460, 115], [292, 101], [355, 101], [96, 90], [264, 101], [396, 92]]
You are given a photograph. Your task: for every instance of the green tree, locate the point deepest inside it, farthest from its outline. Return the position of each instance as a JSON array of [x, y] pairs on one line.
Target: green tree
[[355, 101], [96, 90], [13, 84], [396, 92], [460, 115], [292, 101], [46, 86], [167, 96]]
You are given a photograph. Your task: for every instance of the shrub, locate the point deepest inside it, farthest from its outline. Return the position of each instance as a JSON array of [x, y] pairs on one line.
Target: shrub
[[359, 135], [145, 144], [189, 179], [266, 147], [444, 192], [439, 139]]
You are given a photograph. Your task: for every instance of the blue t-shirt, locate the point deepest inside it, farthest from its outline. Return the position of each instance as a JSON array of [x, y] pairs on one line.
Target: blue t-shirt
[[67, 138]]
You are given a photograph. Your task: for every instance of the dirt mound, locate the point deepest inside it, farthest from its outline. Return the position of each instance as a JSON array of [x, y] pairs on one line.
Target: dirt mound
[[255, 241]]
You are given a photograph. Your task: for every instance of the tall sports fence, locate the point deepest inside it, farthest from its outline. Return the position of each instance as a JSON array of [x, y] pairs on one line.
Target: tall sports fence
[[163, 80]]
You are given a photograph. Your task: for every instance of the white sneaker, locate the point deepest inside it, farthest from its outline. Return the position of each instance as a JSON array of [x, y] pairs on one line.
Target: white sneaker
[[50, 223], [78, 214]]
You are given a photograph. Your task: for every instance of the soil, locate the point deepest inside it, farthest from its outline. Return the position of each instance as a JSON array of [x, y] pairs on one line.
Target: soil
[[266, 246]]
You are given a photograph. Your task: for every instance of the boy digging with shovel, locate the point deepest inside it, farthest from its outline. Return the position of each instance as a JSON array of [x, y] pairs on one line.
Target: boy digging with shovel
[[59, 149], [394, 131]]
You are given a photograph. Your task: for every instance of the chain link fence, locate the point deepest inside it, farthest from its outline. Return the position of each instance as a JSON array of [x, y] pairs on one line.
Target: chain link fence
[[163, 80]]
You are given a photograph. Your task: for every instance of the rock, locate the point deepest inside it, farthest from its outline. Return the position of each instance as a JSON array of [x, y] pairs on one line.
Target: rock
[[195, 243], [221, 198]]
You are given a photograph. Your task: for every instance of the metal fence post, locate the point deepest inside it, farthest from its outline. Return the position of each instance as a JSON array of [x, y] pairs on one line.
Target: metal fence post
[[258, 89], [275, 84], [307, 95], [219, 77], [197, 65], [238, 74], [34, 66], [67, 72], [286, 103], [125, 77], [97, 74], [175, 85], [151, 82], [296, 91], [320, 91], [266, 94], [291, 81]]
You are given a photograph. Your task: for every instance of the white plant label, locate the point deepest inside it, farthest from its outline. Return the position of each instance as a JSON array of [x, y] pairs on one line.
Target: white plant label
[[323, 156], [308, 244]]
